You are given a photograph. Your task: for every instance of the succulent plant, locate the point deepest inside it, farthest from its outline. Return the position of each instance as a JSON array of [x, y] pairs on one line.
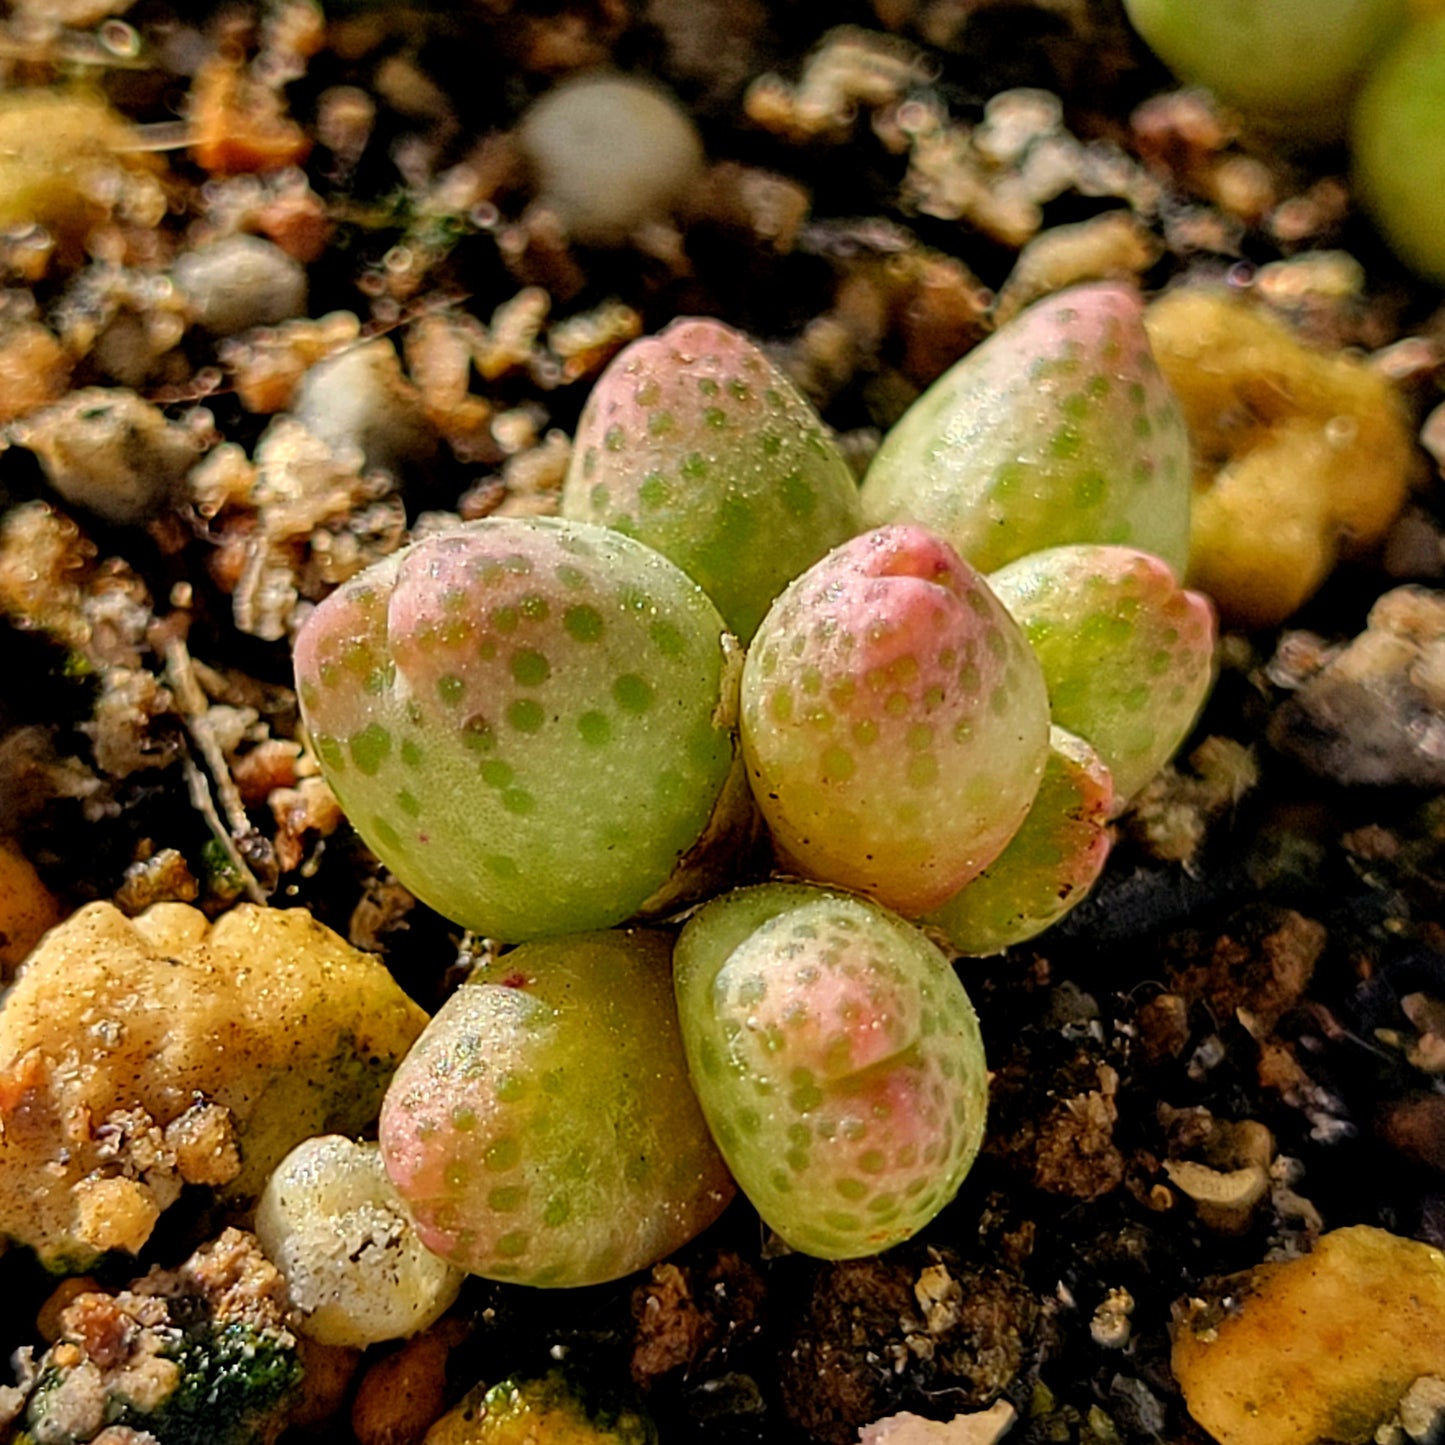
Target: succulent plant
[[1050, 863], [528, 720], [532, 724], [1057, 429], [837, 1059], [542, 1129], [1127, 653], [694, 442], [894, 720]]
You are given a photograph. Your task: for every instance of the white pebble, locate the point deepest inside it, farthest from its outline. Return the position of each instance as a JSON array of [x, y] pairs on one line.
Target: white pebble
[[610, 154], [240, 282], [359, 398]]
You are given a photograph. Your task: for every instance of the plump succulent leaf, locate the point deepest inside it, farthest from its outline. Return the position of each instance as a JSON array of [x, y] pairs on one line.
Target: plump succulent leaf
[[694, 442], [525, 719], [838, 1061], [894, 720], [1049, 865], [1057, 429], [1128, 654], [542, 1130]]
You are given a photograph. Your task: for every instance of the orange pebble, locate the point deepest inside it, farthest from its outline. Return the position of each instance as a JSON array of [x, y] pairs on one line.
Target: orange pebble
[[240, 125]]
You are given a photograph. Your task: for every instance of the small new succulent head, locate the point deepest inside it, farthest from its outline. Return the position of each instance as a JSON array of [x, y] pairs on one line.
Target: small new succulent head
[[525, 719], [542, 1129], [1050, 864], [894, 720], [694, 442], [1128, 654], [1057, 429], [838, 1061]]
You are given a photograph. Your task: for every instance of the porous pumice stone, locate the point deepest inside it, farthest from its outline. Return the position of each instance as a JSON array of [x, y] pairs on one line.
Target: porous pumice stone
[[1057, 429], [238, 1039], [525, 719], [1127, 652], [333, 1224], [838, 1061], [894, 720], [1050, 864], [695, 443], [1301, 456], [610, 154], [543, 1130]]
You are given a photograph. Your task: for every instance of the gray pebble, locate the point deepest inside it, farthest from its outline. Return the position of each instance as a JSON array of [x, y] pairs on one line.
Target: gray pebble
[[110, 452], [240, 282], [1374, 712], [360, 399]]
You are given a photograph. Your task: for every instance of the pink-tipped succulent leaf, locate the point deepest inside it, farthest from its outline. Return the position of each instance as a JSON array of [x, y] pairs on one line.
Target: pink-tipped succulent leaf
[[894, 720], [694, 442], [837, 1059], [542, 1129], [1127, 652], [1057, 429], [526, 720]]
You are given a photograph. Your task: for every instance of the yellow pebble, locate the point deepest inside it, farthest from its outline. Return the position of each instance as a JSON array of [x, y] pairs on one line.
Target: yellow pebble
[[1321, 1348], [1300, 457], [59, 154], [264, 1015], [534, 1412]]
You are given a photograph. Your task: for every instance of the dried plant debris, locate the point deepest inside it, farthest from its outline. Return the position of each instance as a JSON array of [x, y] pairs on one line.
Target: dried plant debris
[[284, 288]]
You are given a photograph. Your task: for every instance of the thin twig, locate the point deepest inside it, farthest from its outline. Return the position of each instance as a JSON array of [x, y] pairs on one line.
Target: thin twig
[[205, 805], [195, 708]]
